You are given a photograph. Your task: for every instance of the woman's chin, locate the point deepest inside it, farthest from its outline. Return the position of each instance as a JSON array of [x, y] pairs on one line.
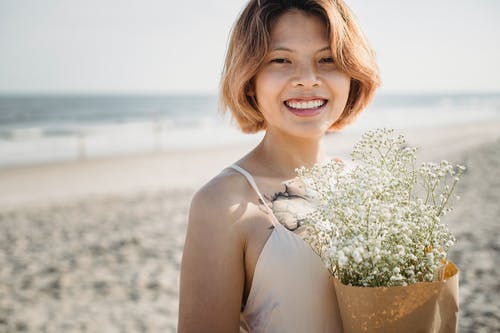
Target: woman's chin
[[306, 131]]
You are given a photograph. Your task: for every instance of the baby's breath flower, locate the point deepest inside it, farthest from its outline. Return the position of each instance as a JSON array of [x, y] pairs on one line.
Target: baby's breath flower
[[377, 221], [342, 259], [356, 256]]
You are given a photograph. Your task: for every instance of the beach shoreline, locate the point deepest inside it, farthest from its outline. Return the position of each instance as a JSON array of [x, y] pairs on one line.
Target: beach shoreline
[[48, 183]]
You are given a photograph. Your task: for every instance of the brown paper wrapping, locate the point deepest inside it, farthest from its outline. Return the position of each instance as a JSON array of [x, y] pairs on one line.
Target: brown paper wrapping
[[421, 307]]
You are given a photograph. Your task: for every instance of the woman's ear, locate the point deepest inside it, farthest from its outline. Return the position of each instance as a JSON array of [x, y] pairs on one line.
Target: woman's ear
[[250, 89]]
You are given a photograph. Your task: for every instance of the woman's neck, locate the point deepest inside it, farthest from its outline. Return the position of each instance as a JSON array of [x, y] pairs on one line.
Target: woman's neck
[[281, 154]]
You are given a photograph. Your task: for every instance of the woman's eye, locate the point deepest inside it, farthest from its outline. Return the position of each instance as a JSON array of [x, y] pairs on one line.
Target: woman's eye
[[280, 60], [327, 60]]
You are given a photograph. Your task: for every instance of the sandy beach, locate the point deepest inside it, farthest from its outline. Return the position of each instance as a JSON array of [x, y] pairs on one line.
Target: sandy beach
[[96, 245]]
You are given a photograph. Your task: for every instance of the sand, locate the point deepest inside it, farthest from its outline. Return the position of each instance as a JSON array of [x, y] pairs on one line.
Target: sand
[[95, 246]]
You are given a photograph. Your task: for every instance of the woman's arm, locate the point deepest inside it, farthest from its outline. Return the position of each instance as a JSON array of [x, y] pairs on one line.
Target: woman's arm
[[212, 270]]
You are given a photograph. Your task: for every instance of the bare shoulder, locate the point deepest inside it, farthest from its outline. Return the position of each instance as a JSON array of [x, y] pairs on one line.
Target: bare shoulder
[[221, 197]]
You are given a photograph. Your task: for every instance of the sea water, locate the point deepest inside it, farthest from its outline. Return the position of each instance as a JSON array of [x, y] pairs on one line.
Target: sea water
[[47, 128]]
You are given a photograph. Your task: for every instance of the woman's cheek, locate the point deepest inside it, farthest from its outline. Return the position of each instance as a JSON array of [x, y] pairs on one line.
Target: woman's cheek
[[272, 77], [340, 80]]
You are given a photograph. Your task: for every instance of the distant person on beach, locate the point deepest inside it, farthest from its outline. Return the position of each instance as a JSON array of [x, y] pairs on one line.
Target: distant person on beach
[[296, 70]]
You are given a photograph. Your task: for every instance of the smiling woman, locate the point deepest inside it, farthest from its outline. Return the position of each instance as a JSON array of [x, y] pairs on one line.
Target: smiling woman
[[296, 69], [344, 48], [299, 75]]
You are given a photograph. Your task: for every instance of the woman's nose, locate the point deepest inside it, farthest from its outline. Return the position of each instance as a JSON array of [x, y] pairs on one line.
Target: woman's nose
[[306, 76]]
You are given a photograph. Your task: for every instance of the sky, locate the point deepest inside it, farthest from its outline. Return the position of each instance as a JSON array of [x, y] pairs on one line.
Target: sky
[[166, 46]]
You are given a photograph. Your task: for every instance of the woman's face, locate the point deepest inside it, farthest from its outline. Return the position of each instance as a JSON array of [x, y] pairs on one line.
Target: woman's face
[[299, 89]]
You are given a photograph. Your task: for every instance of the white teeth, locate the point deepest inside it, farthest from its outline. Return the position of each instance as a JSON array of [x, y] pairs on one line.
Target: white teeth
[[306, 105]]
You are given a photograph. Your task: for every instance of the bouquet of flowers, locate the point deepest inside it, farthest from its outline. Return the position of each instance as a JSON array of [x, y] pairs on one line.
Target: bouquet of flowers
[[376, 225]]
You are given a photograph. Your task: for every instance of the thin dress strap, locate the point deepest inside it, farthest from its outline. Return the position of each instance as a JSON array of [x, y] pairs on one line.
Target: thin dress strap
[[250, 179]]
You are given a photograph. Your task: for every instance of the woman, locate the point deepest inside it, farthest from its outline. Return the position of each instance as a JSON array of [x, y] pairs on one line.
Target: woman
[[295, 69]]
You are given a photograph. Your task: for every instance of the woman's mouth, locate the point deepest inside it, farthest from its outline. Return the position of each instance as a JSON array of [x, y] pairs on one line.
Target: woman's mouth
[[306, 108]]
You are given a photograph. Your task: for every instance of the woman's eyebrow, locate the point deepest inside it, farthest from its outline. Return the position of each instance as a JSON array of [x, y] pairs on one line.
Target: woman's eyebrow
[[281, 48]]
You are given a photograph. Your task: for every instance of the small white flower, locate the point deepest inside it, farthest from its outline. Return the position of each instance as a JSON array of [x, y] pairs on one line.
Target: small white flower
[[341, 258], [357, 256]]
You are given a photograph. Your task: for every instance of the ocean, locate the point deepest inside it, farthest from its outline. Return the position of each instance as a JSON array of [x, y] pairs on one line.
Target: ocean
[[47, 128]]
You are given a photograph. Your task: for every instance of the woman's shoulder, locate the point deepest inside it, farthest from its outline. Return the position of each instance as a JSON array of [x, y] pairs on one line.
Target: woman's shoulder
[[226, 185], [221, 196]]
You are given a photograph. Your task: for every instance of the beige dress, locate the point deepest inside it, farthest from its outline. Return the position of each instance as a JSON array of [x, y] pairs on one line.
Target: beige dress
[[291, 288]]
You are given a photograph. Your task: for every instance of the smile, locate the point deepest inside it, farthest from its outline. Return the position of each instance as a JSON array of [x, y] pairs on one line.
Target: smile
[[306, 108], [302, 105]]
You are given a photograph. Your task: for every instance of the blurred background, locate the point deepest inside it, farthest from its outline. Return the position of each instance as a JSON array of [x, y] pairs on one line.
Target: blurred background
[[109, 123]]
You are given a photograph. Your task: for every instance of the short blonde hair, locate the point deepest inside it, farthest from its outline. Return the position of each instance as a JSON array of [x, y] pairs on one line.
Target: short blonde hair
[[249, 44]]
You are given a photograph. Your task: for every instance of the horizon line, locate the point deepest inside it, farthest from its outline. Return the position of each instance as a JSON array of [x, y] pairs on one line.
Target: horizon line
[[213, 93]]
